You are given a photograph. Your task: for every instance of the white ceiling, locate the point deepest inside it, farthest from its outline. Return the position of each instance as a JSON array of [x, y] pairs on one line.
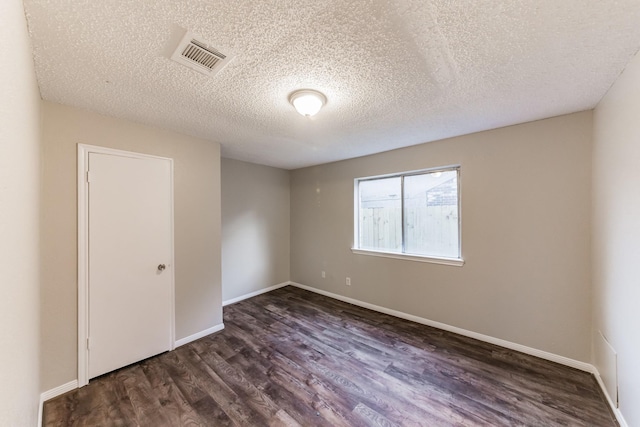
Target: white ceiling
[[395, 72]]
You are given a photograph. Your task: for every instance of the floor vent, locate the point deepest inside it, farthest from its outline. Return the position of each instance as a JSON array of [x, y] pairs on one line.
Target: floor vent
[[199, 55]]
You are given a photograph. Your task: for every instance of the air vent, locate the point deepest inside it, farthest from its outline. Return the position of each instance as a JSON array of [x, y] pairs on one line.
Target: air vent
[[199, 55]]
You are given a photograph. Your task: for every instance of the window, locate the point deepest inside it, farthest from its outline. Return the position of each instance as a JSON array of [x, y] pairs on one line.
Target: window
[[414, 215]]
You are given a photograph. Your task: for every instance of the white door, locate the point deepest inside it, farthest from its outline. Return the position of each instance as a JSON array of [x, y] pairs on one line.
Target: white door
[[130, 277]]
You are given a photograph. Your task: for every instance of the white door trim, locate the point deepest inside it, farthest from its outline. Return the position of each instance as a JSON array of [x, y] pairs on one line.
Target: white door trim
[[83, 253]]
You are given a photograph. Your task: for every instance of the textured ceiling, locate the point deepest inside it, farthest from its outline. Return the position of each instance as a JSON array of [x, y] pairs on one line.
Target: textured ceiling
[[395, 72]]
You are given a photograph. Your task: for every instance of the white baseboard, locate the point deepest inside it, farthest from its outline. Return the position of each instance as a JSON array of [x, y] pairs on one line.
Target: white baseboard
[[54, 392], [583, 366], [256, 293], [197, 336], [72, 385], [616, 411]]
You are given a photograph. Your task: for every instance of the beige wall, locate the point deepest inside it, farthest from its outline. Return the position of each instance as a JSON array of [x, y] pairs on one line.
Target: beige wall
[[525, 235], [197, 226], [255, 227], [616, 232], [19, 221]]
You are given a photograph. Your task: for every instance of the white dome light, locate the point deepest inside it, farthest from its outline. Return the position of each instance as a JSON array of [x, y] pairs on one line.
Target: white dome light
[[307, 102]]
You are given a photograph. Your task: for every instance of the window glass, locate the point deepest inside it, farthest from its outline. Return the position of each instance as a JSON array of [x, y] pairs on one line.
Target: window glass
[[415, 213], [380, 214], [431, 214]]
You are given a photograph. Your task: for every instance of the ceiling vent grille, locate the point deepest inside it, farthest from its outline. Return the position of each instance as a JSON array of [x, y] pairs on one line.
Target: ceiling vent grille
[[199, 56]]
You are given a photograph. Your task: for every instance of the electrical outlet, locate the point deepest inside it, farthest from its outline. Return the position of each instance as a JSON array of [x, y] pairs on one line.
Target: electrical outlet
[[323, 274], [348, 282]]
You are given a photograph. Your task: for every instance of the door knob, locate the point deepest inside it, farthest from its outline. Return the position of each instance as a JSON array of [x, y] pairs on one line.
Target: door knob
[[161, 267]]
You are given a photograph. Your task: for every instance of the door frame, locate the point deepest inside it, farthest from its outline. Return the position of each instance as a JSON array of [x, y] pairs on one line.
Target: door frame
[[83, 252]]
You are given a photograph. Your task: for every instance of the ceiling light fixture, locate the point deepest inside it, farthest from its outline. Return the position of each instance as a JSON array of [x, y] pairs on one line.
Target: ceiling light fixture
[[307, 102]]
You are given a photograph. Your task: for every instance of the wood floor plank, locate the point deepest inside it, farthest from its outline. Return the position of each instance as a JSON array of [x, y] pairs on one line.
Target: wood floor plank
[[176, 408], [223, 393], [283, 419], [293, 398], [372, 417], [58, 411], [145, 402], [243, 387], [119, 406], [295, 358]]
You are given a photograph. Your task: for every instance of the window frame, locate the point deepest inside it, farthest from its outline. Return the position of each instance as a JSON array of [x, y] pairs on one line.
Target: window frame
[[457, 261]]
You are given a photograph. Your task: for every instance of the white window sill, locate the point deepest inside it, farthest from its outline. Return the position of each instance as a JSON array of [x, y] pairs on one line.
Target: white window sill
[[458, 262]]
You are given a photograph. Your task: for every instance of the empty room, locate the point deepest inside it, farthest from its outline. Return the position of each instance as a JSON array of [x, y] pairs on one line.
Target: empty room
[[297, 213]]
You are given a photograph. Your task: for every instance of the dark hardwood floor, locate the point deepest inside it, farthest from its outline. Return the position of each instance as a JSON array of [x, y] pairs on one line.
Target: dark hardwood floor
[[292, 357]]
